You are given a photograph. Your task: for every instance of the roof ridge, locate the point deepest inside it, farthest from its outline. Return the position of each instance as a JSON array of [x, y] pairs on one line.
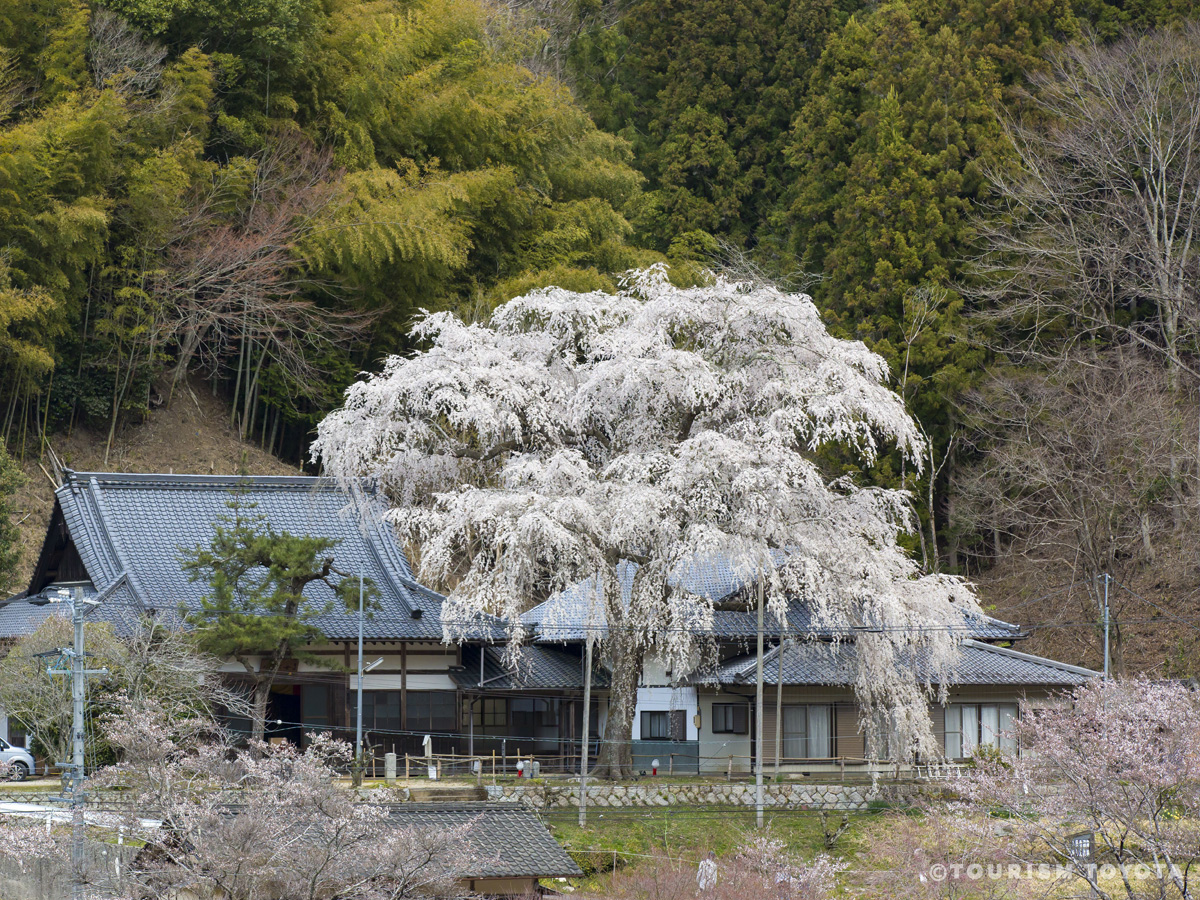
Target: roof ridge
[[184, 479]]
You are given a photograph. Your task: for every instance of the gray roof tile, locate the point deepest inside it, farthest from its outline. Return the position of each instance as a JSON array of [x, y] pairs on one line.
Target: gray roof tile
[[137, 526], [537, 668], [570, 615], [823, 662], [507, 840]]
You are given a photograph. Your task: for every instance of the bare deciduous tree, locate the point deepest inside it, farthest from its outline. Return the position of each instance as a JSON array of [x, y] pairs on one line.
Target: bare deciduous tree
[[234, 274], [1087, 428], [120, 56], [1074, 470], [1095, 231], [156, 666]]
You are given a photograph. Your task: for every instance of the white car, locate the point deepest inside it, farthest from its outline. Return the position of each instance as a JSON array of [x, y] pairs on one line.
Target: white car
[[18, 759]]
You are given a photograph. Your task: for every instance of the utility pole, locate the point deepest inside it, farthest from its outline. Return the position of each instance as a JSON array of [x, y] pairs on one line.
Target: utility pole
[[358, 743], [587, 721], [758, 714], [779, 701], [78, 673], [1107, 671]]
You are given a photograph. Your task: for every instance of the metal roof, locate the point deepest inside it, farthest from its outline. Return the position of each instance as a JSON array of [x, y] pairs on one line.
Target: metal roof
[[537, 668], [829, 663], [570, 615], [507, 840], [131, 531]]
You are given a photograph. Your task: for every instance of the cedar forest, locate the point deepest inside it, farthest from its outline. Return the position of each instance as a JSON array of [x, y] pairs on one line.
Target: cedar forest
[[1000, 198]]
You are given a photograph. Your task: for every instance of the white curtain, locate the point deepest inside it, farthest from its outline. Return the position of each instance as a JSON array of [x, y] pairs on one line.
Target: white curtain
[[990, 720], [954, 731], [818, 732], [795, 732], [970, 729], [1008, 722]]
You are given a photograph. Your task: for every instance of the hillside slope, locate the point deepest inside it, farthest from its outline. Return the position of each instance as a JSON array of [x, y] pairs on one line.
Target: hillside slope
[[192, 435]]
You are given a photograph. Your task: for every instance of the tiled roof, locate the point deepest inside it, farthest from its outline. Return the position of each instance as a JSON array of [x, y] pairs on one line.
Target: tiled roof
[[134, 528], [826, 663], [570, 615], [542, 668], [506, 840]]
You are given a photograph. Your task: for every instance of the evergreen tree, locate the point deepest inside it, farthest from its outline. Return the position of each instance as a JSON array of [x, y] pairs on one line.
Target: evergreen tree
[[705, 90], [258, 612]]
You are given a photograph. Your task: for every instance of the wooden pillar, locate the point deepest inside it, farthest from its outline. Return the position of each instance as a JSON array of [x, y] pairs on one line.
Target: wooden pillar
[[403, 686]]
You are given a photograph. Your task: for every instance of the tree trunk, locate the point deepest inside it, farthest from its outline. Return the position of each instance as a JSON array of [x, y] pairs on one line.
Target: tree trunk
[[262, 696], [625, 653]]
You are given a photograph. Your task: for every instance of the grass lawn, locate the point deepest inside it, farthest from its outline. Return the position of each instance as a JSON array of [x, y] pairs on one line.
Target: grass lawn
[[642, 835]]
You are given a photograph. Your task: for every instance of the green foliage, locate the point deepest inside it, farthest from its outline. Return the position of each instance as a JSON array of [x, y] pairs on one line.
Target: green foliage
[[257, 605], [12, 479], [705, 90], [890, 156], [140, 154]]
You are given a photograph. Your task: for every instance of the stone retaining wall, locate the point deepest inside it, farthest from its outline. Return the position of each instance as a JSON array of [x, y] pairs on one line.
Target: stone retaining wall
[[776, 796]]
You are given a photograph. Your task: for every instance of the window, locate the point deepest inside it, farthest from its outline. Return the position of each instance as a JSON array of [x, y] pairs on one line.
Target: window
[[490, 712], [314, 704], [532, 713], [431, 711], [730, 718], [972, 725], [656, 726], [808, 732], [381, 710]]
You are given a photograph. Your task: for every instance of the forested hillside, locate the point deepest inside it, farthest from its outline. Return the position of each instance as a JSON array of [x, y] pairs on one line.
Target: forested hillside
[[1001, 198]]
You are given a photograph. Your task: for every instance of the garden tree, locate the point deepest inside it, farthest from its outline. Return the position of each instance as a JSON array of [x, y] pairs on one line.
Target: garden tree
[[12, 479], [258, 612], [155, 666], [1118, 760], [1073, 475], [259, 823], [268, 822], [574, 434]]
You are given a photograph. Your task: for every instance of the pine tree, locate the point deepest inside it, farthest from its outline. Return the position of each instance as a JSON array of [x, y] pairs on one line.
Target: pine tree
[[257, 612]]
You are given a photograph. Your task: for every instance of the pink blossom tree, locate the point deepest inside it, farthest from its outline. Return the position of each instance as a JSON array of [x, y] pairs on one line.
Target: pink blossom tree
[[1119, 759], [263, 823], [661, 427], [939, 851]]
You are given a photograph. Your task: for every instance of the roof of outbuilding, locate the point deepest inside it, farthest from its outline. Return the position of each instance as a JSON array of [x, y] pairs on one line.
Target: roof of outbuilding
[[131, 530], [507, 840], [570, 615], [537, 668], [826, 663]]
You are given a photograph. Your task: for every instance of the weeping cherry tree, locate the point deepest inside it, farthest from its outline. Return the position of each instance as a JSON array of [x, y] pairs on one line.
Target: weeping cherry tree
[[573, 435]]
